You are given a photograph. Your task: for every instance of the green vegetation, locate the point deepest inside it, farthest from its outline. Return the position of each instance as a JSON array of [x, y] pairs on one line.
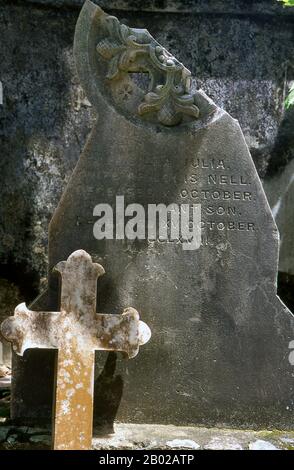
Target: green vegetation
[[290, 98], [289, 101], [287, 3]]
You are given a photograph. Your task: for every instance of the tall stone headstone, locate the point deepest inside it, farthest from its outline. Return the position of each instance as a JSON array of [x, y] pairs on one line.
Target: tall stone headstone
[[220, 347]]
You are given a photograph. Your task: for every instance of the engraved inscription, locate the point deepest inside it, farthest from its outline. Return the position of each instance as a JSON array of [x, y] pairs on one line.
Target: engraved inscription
[[224, 195]]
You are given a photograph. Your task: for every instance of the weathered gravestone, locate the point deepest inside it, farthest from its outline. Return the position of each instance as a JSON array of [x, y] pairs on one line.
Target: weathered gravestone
[[76, 332], [219, 352]]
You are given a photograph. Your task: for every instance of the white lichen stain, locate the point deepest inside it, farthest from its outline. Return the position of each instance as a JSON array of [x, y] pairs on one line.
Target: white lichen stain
[[70, 393], [65, 407], [64, 373], [67, 362], [67, 380]]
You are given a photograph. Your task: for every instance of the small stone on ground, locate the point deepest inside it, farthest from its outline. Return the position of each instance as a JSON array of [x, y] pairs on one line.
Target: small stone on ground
[[262, 445]]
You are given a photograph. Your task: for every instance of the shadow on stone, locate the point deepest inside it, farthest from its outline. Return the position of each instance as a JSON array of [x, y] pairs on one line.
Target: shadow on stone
[[283, 150], [286, 289], [107, 397]]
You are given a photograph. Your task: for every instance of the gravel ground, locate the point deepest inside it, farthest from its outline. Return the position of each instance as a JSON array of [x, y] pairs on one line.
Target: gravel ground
[[130, 436]]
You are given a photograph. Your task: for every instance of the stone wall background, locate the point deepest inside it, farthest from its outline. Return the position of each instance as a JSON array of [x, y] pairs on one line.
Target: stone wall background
[[241, 54]]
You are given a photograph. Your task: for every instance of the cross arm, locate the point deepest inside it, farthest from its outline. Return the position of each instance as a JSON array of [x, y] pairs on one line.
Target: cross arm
[[28, 329], [124, 333]]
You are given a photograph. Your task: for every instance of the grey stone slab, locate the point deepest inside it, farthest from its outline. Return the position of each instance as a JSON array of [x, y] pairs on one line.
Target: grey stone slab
[[241, 61], [220, 347]]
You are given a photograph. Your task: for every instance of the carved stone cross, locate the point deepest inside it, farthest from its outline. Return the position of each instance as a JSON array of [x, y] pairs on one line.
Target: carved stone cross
[[76, 331]]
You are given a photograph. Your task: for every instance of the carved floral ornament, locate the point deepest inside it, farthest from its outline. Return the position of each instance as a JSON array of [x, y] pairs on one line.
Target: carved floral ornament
[[129, 50]]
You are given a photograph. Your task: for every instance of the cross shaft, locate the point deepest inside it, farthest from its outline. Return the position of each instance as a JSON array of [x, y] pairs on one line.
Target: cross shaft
[[76, 332]]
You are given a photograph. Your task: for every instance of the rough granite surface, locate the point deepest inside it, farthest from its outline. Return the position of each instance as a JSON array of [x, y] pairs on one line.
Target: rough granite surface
[[240, 52]]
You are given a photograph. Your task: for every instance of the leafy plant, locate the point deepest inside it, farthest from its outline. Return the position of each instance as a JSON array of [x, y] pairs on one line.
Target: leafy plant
[[287, 3], [289, 101]]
